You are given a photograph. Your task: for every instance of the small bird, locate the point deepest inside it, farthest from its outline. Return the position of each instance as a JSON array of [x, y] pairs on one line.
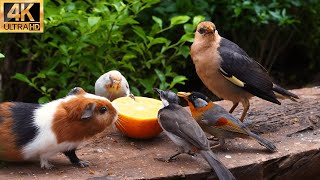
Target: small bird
[[112, 85], [228, 71], [216, 121], [184, 131]]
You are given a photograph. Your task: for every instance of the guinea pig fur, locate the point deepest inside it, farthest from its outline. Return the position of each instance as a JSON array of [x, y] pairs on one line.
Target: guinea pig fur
[[33, 131]]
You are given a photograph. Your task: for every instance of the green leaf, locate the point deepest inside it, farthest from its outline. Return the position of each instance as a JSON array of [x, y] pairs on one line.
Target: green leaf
[[159, 40], [189, 28], [196, 20], [1, 55], [127, 20], [128, 57], [43, 89], [41, 75], [164, 85], [178, 20], [177, 80], [135, 91], [237, 11], [246, 3], [51, 73], [284, 12], [62, 93], [160, 75], [140, 32], [187, 37], [43, 99], [257, 9], [64, 49], [158, 21], [138, 48], [93, 21], [148, 83], [184, 51], [22, 78], [275, 14], [296, 3]]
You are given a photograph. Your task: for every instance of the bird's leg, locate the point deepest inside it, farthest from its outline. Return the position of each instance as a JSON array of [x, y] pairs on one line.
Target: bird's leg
[[233, 107], [221, 143], [246, 105], [171, 158]]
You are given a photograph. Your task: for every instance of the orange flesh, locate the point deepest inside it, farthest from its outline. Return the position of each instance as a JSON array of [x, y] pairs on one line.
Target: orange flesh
[[138, 118]]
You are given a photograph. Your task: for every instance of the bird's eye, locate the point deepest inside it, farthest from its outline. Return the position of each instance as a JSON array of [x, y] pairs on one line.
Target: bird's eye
[[102, 110], [194, 97], [202, 30]]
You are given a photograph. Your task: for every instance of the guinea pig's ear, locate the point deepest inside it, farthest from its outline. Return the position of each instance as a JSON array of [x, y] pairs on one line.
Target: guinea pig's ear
[[76, 91], [88, 111]]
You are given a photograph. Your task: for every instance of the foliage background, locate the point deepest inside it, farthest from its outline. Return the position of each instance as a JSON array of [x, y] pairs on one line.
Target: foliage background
[[148, 41]]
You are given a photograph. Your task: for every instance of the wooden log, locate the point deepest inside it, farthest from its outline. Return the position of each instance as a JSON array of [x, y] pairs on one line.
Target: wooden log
[[292, 126]]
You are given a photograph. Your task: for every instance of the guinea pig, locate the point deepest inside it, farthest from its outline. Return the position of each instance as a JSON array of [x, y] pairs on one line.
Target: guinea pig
[[38, 131]]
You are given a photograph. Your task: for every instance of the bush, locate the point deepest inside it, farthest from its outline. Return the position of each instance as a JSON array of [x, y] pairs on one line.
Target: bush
[[263, 28], [277, 34], [148, 41], [84, 39]]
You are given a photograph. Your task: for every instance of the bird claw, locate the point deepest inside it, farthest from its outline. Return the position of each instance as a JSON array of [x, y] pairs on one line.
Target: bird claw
[[212, 138], [215, 146], [167, 160]]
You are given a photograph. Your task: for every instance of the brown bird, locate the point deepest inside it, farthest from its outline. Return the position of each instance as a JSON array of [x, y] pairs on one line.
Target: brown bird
[[228, 71]]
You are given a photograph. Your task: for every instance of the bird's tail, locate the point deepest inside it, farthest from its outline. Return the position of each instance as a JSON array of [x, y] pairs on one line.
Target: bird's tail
[[269, 145], [221, 170], [284, 94]]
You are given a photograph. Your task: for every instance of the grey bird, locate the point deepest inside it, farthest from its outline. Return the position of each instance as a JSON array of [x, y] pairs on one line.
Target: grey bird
[[112, 85], [184, 131]]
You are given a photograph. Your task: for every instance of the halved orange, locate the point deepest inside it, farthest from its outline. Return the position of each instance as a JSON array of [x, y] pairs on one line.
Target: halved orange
[[138, 118]]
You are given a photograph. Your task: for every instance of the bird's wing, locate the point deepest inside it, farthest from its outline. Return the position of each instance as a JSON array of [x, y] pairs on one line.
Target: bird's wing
[[227, 43], [244, 72], [178, 121], [220, 118]]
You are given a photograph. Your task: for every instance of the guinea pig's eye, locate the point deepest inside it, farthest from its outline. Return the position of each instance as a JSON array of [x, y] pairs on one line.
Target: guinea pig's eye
[[102, 110]]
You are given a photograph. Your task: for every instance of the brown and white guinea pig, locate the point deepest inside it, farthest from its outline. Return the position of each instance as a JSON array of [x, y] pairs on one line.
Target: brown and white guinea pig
[[33, 131]]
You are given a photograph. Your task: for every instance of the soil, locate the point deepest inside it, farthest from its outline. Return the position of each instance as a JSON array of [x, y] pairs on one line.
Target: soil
[[293, 127]]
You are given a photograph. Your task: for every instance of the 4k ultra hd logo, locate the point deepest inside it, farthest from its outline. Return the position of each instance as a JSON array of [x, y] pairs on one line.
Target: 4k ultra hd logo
[[21, 16]]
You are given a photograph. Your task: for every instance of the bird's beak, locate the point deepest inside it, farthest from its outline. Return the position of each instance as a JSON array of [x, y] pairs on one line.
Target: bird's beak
[[115, 84], [211, 29], [183, 94], [157, 90]]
